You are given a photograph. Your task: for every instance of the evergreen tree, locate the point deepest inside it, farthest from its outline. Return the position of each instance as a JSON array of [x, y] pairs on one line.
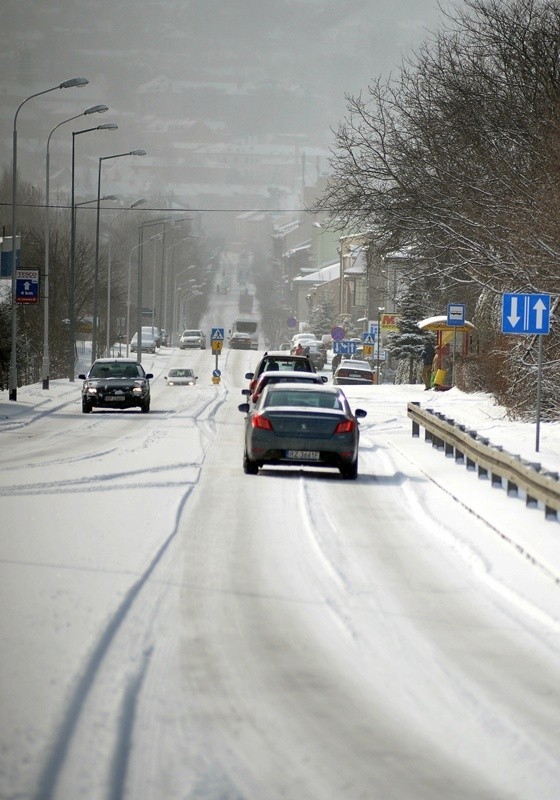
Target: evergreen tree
[[322, 316], [407, 344]]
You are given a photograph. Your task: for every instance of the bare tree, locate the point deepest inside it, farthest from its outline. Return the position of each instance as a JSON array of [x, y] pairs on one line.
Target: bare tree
[[458, 156]]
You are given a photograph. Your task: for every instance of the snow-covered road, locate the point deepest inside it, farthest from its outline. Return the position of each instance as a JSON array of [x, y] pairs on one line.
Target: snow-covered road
[[172, 628]]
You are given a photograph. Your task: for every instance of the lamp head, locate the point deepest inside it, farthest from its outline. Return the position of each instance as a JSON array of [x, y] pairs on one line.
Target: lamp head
[[138, 203], [137, 153], [107, 126], [73, 82], [99, 109]]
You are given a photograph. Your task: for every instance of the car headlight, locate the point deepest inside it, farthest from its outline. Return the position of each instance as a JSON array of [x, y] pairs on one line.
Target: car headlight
[[91, 388]]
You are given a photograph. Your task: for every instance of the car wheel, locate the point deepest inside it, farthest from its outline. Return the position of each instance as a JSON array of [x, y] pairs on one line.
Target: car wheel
[[86, 407], [350, 471], [145, 407], [249, 467]]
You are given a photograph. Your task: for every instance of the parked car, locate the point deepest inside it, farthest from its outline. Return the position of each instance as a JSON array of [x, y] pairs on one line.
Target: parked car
[[303, 338], [305, 425], [152, 330], [351, 372], [316, 353], [116, 383], [193, 337], [278, 376], [240, 341], [149, 343], [181, 377], [279, 359]]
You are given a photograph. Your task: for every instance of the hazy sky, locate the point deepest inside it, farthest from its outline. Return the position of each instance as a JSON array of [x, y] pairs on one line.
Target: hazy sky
[[247, 68]]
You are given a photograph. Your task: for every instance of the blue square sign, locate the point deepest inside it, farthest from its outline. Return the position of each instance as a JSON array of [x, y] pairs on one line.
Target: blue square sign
[[526, 313]]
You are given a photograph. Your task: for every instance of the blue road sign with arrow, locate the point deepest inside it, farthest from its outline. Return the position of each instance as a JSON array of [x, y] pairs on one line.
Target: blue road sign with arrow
[[526, 313]]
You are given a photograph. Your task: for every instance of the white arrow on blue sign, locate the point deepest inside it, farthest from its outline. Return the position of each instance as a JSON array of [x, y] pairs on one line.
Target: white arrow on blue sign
[[345, 347], [526, 313]]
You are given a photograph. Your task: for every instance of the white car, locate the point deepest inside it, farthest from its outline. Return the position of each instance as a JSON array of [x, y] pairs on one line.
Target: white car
[[192, 338], [181, 377], [149, 343]]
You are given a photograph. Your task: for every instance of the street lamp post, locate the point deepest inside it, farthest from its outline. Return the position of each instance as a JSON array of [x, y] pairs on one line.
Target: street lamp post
[[175, 291], [98, 109], [108, 324], [96, 272], [166, 278], [183, 301], [109, 126], [380, 310], [13, 352], [148, 223], [128, 295]]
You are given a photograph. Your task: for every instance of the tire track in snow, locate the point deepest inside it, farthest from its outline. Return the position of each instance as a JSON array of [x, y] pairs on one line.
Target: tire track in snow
[[53, 772]]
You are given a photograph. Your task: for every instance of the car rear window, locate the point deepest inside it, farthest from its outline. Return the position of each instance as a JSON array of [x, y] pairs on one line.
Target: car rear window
[[307, 399], [287, 364]]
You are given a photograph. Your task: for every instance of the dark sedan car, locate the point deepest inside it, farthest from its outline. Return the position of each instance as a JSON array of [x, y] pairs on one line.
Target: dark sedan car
[[116, 383], [240, 341], [279, 376], [279, 360], [305, 425]]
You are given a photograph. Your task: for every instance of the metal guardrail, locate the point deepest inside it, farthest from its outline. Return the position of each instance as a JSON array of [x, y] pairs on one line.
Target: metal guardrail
[[468, 447]]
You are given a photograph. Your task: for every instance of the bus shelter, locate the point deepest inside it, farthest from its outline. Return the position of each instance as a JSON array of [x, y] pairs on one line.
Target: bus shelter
[[453, 343], [459, 337]]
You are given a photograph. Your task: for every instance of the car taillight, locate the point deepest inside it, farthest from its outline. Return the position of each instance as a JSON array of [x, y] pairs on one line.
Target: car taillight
[[261, 422], [347, 426]]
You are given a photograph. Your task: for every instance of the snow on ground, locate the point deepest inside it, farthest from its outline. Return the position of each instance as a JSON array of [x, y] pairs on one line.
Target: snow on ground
[[65, 591]]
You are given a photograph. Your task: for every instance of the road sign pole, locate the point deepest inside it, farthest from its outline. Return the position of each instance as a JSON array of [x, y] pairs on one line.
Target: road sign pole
[[539, 394]]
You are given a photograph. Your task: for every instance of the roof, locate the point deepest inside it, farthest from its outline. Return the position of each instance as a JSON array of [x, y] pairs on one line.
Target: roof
[[323, 275], [439, 323]]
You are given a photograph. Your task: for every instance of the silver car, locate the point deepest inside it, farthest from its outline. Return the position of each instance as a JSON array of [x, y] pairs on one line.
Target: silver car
[[306, 425], [192, 338], [181, 377]]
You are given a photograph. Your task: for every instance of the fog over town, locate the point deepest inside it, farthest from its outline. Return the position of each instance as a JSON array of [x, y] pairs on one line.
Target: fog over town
[[234, 102]]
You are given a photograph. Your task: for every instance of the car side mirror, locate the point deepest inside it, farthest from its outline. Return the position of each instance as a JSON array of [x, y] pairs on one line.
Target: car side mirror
[[244, 408], [149, 376], [324, 378], [360, 412], [246, 392], [81, 376], [249, 375]]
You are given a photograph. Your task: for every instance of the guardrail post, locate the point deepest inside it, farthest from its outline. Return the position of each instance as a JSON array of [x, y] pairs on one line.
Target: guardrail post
[[415, 425], [520, 477]]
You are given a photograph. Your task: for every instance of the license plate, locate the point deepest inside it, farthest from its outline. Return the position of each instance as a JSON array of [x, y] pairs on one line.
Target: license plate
[[119, 398], [303, 455]]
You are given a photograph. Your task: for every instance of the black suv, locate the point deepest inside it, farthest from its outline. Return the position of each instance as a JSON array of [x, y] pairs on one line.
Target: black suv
[[116, 383], [279, 359]]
